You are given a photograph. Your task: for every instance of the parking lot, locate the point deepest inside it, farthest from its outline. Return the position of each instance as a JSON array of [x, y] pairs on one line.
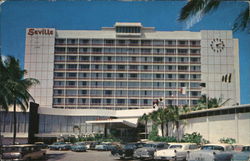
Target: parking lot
[[90, 155]]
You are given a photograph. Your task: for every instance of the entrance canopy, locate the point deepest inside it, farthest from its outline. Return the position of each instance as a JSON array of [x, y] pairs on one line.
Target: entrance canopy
[[130, 122]]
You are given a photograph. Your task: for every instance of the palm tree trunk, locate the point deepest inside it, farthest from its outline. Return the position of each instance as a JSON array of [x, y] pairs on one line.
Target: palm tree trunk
[[177, 129], [167, 128], [14, 127], [162, 129], [146, 129]]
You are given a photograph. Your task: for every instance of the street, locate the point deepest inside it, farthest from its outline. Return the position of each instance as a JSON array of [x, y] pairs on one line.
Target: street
[[81, 156]]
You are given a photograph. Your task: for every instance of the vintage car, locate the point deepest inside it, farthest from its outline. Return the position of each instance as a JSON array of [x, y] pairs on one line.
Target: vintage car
[[104, 147], [175, 151], [79, 147], [244, 155], [212, 152], [60, 146], [22, 152], [148, 150], [42, 144], [126, 151]]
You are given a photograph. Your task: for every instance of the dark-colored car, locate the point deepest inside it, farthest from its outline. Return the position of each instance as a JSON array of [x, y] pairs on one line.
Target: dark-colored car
[[148, 150], [126, 151], [59, 146], [244, 155]]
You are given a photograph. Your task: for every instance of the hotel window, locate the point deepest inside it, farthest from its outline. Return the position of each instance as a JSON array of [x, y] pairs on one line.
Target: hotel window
[[71, 83], [158, 42], [96, 58], [97, 41], [194, 60], [70, 100], [59, 75], [58, 92], [72, 41], [97, 50], [120, 101], [195, 68], [170, 51], [59, 58], [133, 101], [195, 85], [84, 50], [96, 101], [158, 85], [183, 51], [133, 50], [83, 66], [158, 51], [195, 93], [59, 66], [182, 42], [109, 50], [170, 85], [96, 84], [158, 59], [72, 50], [133, 75], [71, 66], [60, 41], [108, 101], [108, 58], [145, 51], [84, 41], [158, 67], [133, 42], [146, 42], [133, 84], [182, 68], [71, 75], [82, 100], [121, 50], [58, 83], [107, 92], [108, 84], [108, 75], [71, 92], [71, 58], [182, 76], [145, 102], [170, 42], [146, 84], [158, 93], [128, 29], [82, 84], [121, 84], [133, 67], [194, 51], [195, 76], [83, 92], [109, 42], [195, 43], [121, 67], [121, 42], [83, 75], [158, 76], [170, 59], [84, 58], [59, 50], [58, 100]]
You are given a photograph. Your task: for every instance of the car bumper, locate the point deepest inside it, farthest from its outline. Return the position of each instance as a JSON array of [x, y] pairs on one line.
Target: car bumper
[[164, 158]]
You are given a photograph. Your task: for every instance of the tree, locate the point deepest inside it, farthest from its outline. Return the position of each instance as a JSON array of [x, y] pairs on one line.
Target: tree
[[202, 7], [144, 118], [14, 87], [174, 116], [159, 117]]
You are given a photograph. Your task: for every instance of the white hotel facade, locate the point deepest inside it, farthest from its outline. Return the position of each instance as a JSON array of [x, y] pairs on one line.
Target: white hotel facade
[[113, 75]]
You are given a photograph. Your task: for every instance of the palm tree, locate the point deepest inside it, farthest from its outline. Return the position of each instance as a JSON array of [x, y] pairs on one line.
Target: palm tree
[[206, 102], [145, 118], [159, 117], [202, 7], [14, 87], [174, 113]]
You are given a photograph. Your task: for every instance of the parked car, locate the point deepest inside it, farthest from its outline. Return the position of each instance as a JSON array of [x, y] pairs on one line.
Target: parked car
[[148, 150], [244, 155], [126, 151], [104, 147], [42, 144], [59, 146], [79, 147], [22, 152], [175, 151], [93, 144], [212, 152]]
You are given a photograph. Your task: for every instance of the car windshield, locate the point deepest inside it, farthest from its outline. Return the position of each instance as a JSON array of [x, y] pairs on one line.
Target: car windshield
[[175, 146], [212, 147], [246, 148], [129, 146], [150, 145]]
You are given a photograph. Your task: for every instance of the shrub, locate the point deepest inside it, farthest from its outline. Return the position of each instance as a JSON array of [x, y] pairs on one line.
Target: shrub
[[194, 138], [153, 135], [227, 140]]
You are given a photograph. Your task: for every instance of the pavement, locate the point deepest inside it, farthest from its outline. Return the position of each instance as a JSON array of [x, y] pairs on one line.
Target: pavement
[[90, 155]]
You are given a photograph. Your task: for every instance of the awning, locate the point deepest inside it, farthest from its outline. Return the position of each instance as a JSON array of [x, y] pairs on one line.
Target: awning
[[130, 122]]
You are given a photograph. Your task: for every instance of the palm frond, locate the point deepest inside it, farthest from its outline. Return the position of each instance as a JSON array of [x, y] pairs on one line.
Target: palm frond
[[191, 8], [243, 20]]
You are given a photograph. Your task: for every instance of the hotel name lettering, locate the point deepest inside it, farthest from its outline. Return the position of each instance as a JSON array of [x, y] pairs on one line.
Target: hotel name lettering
[[40, 32]]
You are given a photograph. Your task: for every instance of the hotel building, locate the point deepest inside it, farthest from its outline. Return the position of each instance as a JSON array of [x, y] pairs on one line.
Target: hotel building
[[88, 77]]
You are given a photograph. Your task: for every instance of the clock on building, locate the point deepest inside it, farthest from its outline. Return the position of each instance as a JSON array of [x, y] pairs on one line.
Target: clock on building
[[217, 45]]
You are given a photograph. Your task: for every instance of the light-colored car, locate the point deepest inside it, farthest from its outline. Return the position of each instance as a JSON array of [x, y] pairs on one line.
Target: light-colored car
[[212, 152], [22, 152], [175, 151], [147, 151], [244, 155]]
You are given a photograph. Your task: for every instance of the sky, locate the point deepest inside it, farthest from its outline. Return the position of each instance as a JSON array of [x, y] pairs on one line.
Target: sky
[[16, 16]]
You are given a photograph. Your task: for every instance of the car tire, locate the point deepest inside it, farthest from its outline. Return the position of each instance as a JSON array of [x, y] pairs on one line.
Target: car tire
[[60, 149]]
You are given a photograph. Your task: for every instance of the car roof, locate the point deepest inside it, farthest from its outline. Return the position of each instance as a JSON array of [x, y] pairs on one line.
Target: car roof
[[20, 145], [182, 143], [224, 145]]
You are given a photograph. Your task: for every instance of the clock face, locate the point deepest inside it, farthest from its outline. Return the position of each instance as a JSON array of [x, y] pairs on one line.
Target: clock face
[[217, 45]]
